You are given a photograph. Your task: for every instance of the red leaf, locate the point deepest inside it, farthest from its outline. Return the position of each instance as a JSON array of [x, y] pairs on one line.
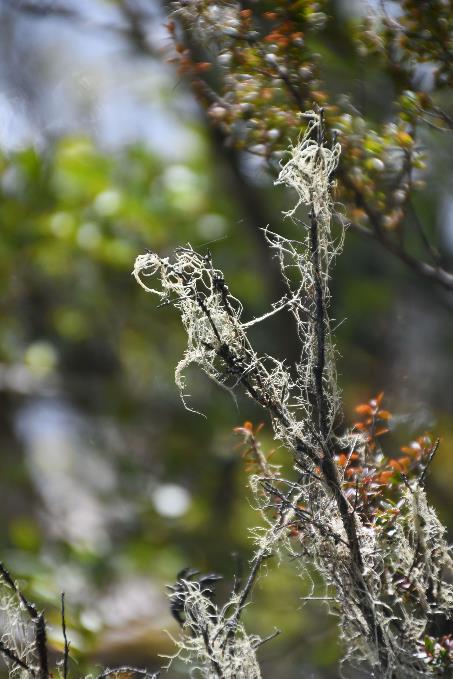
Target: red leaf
[[364, 409]]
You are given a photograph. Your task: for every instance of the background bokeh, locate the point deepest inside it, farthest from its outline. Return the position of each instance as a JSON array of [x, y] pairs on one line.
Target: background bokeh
[[108, 487]]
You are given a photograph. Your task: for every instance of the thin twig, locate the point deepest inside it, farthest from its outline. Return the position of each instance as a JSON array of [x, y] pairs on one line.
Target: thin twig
[[436, 274], [262, 555], [433, 451], [66, 642], [268, 638]]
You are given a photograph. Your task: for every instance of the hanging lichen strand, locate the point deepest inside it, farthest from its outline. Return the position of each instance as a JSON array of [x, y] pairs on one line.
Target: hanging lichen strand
[[315, 516]]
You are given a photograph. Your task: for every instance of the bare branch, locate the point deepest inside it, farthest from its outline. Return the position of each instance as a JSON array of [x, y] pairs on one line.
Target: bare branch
[[66, 642]]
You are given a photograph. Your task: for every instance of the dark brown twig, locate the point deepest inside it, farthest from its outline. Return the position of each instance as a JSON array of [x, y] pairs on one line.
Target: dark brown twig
[[268, 638], [66, 642], [432, 453], [377, 232]]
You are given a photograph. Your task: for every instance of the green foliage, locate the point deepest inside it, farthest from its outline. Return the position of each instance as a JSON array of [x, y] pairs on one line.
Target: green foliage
[[268, 64]]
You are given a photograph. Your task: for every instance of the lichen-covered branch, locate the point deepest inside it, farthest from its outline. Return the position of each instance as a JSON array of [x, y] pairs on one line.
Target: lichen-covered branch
[[213, 639], [23, 639], [337, 532]]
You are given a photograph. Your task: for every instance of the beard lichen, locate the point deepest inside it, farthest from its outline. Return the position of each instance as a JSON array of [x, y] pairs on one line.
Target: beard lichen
[[309, 516]]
